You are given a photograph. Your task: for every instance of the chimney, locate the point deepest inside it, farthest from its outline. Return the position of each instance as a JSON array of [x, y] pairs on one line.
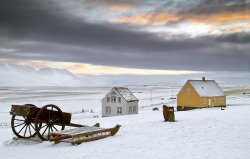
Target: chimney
[[203, 79]]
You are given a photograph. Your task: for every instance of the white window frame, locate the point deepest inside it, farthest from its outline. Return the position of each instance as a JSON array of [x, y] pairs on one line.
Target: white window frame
[[119, 99], [188, 90], [119, 110], [130, 110], [222, 100], [219, 100], [108, 99], [108, 110], [204, 100], [214, 100], [113, 99], [134, 109], [194, 91]]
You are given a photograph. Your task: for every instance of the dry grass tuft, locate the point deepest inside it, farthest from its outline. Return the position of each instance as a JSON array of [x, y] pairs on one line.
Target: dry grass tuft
[[241, 91]]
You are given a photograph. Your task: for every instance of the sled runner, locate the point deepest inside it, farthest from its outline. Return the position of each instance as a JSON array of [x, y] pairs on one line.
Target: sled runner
[[84, 134]]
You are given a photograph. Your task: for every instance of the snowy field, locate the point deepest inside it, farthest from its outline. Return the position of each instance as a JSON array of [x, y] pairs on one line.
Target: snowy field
[[202, 133]]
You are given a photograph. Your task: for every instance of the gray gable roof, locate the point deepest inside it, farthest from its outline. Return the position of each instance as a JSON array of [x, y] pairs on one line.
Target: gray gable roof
[[207, 88], [126, 94]]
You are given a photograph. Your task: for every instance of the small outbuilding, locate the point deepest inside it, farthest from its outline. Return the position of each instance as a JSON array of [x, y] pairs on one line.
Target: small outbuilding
[[119, 101], [200, 94]]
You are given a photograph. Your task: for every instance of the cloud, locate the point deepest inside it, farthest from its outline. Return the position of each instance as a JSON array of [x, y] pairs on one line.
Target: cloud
[[218, 16], [121, 8], [152, 18], [100, 7], [236, 38], [221, 18], [37, 30]]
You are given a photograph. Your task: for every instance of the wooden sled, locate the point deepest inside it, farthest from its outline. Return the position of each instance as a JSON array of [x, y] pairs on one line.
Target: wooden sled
[[83, 134]]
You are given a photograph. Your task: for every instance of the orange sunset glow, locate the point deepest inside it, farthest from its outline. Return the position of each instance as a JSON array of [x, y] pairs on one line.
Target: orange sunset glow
[[80, 68], [144, 37]]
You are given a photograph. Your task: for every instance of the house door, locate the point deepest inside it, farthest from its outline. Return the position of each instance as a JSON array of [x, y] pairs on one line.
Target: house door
[[119, 110], [209, 102]]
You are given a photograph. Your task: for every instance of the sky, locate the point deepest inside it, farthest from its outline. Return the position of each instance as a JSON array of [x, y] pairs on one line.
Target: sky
[[134, 37]]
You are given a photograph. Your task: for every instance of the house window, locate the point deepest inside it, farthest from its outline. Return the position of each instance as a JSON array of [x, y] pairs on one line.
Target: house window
[[222, 100], [113, 99], [204, 100], [188, 90], [108, 110], [134, 109], [219, 100], [188, 84], [108, 99], [193, 91], [119, 110], [119, 99], [182, 91], [214, 100], [113, 93], [130, 109]]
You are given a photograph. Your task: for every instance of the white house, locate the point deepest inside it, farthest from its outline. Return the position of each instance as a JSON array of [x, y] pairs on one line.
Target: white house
[[119, 101]]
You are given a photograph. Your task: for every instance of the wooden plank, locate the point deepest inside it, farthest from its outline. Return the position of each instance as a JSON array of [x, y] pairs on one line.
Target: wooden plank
[[57, 137], [77, 131], [89, 139], [23, 110]]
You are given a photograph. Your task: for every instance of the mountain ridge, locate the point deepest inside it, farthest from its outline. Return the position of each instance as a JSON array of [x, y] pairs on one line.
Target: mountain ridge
[[22, 75]]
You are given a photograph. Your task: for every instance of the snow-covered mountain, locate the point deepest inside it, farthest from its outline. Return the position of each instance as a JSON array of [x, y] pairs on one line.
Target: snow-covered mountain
[[20, 75]]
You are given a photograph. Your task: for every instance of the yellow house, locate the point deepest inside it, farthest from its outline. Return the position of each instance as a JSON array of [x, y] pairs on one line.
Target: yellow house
[[200, 94]]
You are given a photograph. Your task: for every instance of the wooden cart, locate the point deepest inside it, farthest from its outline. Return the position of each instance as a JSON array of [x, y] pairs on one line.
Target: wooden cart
[[29, 120]]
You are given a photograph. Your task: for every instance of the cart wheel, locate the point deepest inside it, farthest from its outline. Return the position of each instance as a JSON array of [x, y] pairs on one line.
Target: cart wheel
[[23, 127], [51, 119]]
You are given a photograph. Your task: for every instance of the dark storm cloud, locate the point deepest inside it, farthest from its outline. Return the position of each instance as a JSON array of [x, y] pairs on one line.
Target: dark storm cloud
[[43, 31], [203, 6], [236, 38], [200, 10], [219, 8], [90, 4]]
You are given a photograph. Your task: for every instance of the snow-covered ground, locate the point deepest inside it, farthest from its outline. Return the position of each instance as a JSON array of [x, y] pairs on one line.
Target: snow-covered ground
[[202, 133]]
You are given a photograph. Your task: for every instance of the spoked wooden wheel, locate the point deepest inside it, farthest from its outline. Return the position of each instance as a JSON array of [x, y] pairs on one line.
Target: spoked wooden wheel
[[51, 119], [23, 127]]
